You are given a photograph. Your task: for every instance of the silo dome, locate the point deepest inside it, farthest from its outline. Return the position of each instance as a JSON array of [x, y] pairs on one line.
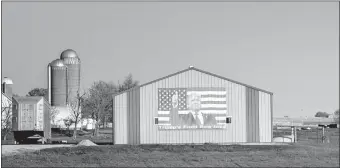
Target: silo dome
[[57, 63], [8, 81], [68, 54]]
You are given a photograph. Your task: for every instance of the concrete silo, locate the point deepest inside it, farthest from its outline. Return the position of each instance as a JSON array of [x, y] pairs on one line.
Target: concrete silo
[[57, 83], [72, 61]]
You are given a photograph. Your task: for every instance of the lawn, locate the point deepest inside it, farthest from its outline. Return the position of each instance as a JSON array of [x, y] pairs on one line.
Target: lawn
[[297, 155], [104, 136]]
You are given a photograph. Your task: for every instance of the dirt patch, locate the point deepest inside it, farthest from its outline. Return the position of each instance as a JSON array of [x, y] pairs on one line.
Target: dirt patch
[[86, 142]]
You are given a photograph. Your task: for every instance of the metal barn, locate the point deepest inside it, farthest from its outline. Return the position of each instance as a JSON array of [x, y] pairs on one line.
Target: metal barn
[[192, 106]]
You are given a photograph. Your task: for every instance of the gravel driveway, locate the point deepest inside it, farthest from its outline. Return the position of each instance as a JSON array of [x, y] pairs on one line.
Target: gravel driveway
[[14, 149]]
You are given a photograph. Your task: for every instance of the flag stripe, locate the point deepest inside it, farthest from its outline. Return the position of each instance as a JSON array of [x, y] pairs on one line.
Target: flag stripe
[[213, 102], [213, 95], [206, 89], [207, 92], [206, 112], [214, 99], [214, 105], [213, 108]]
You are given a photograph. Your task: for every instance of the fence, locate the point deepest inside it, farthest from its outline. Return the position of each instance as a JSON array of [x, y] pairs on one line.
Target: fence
[[308, 135]]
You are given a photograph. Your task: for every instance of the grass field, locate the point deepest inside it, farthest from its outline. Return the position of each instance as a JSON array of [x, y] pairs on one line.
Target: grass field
[[307, 152], [297, 155]]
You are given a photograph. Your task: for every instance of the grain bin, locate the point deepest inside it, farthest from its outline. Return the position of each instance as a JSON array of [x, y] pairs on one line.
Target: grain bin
[[31, 117], [57, 83], [72, 61]]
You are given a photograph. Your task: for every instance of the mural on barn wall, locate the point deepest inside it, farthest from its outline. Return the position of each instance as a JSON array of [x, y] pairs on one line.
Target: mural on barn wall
[[192, 108]]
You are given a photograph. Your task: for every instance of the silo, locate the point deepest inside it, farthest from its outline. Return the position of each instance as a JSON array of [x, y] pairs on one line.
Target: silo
[[6, 86], [72, 61], [57, 83]]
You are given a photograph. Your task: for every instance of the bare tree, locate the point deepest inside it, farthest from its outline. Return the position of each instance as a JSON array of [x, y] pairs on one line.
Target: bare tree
[[98, 102], [75, 108], [6, 117], [68, 122], [54, 113]]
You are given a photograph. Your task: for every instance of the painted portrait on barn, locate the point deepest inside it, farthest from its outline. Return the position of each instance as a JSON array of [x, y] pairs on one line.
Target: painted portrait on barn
[[191, 108]]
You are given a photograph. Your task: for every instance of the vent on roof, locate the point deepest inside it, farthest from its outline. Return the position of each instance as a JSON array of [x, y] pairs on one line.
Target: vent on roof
[[191, 66]]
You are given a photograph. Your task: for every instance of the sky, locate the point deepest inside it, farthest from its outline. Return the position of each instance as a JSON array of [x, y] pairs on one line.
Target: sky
[[288, 48]]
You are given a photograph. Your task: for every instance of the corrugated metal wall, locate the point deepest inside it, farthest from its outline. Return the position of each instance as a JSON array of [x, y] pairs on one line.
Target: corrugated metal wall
[[252, 105], [121, 120], [265, 120], [47, 121], [236, 105], [39, 115], [250, 109]]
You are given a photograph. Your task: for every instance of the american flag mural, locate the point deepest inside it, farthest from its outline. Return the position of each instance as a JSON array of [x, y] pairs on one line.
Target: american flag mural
[[192, 107]]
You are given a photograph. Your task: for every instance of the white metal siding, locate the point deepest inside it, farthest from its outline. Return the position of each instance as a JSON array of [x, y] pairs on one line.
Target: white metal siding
[[265, 117], [235, 132], [40, 115], [120, 119]]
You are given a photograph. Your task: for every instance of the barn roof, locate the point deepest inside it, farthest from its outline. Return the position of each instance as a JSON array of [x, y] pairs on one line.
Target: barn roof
[[28, 99], [196, 69]]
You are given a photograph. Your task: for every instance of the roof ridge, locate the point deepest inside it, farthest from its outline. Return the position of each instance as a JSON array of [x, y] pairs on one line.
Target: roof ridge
[[196, 69]]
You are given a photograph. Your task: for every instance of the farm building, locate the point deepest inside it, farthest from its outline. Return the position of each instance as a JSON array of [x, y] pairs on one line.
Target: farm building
[[192, 106], [31, 117]]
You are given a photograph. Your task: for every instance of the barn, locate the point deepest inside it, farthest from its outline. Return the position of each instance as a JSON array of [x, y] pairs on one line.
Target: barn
[[192, 106]]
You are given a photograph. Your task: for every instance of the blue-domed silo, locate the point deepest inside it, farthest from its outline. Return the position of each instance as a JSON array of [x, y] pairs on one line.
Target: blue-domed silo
[[57, 83], [72, 61]]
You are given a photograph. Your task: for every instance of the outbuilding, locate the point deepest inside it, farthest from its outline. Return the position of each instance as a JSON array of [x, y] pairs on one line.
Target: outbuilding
[[31, 119], [192, 106]]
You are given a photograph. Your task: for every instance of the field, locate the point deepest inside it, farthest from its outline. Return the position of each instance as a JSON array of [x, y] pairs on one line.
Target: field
[[324, 155], [306, 153]]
